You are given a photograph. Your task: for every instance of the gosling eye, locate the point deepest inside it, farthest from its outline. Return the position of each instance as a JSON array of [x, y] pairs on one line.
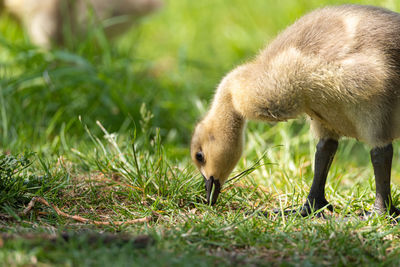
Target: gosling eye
[[200, 157]]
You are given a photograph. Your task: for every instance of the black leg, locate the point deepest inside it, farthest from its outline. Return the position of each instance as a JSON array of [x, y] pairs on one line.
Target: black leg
[[381, 158], [326, 150]]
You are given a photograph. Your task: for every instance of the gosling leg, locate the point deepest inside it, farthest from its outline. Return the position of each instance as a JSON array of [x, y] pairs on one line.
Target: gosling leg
[[381, 158], [326, 149]]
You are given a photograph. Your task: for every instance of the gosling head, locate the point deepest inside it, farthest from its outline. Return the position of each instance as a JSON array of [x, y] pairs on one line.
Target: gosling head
[[216, 147]]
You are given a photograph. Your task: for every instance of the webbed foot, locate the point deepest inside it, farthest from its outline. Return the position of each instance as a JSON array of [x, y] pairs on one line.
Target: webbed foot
[[315, 206], [311, 207], [381, 209], [394, 213]]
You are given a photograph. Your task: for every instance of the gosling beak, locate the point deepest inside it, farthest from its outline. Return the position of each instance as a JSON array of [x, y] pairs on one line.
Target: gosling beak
[[209, 186]]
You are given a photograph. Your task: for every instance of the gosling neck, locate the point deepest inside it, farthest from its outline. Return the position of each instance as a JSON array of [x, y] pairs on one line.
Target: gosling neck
[[223, 115]]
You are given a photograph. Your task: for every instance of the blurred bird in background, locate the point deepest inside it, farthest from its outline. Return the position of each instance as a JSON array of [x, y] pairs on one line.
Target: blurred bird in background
[[50, 21]]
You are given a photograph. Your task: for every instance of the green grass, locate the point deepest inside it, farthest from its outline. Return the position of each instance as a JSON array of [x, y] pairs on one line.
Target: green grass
[[101, 130]]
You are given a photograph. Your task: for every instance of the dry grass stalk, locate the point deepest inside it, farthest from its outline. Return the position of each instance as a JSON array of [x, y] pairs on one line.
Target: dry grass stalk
[[77, 217]]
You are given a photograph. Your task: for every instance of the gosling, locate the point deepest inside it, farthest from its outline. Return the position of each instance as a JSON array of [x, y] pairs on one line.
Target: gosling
[[338, 65], [46, 20]]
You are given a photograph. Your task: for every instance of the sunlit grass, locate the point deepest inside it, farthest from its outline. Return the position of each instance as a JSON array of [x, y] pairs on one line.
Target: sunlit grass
[[106, 127]]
